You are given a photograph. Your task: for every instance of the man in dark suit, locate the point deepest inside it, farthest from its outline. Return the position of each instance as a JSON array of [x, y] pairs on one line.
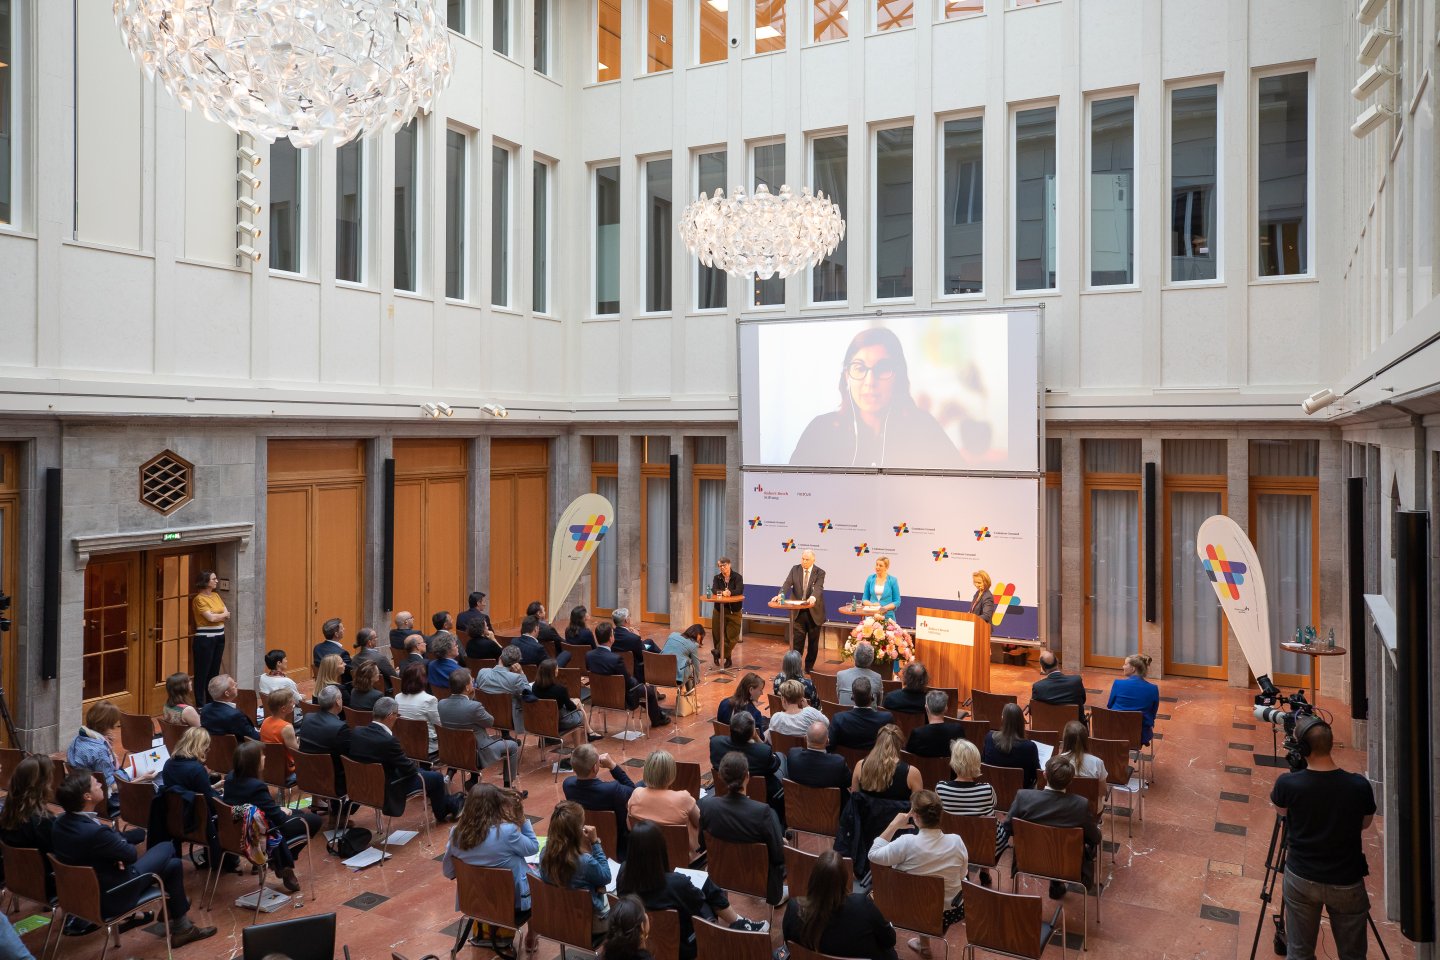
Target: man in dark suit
[[606, 662], [334, 631], [532, 651], [414, 650], [548, 634], [376, 743], [804, 581], [80, 839], [587, 789], [910, 698], [859, 726], [1053, 807], [404, 626], [1058, 688], [763, 760], [738, 819], [461, 711], [628, 640], [326, 731], [371, 651], [219, 715], [812, 766], [444, 627], [475, 612], [935, 737]]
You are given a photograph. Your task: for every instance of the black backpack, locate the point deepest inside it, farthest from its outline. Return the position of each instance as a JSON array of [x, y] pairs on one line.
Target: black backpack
[[349, 842]]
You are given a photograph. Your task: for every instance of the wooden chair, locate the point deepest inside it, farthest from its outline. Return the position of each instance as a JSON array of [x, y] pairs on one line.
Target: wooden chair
[[661, 670], [315, 775], [458, 750], [307, 708], [10, 758], [542, 718], [170, 734], [663, 942], [932, 769], [220, 758], [476, 664], [77, 893], [979, 836], [831, 709], [889, 685], [754, 787], [439, 692], [719, 728], [275, 767], [1051, 853], [414, 737], [230, 834], [1115, 754], [782, 743], [687, 777], [25, 879], [775, 704], [1007, 782], [365, 785], [910, 901], [1053, 716], [577, 653], [677, 844], [799, 864], [248, 703], [606, 829], [825, 686], [812, 809], [501, 707], [852, 755], [952, 698], [1009, 923], [561, 914], [628, 658], [715, 940], [59, 770], [1126, 725], [607, 693], [975, 731], [738, 867], [908, 723], [1051, 738], [1091, 788], [531, 671], [987, 706], [137, 732], [573, 679], [358, 718], [485, 895], [136, 802], [190, 825]]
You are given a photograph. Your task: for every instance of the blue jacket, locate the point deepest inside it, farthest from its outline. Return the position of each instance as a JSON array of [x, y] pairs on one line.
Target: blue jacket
[[530, 650], [727, 710], [256, 793], [592, 872], [440, 670], [83, 841], [891, 593], [612, 795], [630, 640], [324, 648], [506, 846], [858, 727], [219, 718], [1136, 693]]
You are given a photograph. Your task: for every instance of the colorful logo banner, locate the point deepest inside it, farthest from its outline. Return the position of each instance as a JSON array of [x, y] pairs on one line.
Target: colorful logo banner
[[582, 527], [1228, 559]]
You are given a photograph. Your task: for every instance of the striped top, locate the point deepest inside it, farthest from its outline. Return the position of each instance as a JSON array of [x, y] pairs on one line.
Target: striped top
[[966, 798]]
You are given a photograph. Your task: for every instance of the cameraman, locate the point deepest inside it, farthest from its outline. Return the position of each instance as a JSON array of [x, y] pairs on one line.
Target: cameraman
[[1326, 809]]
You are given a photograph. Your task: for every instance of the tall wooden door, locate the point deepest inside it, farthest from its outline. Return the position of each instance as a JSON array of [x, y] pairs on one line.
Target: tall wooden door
[[314, 533], [110, 659], [519, 526], [431, 528]]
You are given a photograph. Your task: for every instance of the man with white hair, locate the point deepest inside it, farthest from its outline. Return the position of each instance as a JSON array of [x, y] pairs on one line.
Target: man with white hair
[[845, 679], [628, 639], [806, 581], [376, 743], [219, 716]]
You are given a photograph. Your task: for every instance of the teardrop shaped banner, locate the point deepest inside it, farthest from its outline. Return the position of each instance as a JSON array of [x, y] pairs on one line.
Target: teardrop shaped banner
[[582, 526], [1228, 559]]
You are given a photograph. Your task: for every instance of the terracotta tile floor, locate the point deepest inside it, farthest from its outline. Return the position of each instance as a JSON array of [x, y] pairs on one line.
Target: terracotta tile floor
[[1186, 884]]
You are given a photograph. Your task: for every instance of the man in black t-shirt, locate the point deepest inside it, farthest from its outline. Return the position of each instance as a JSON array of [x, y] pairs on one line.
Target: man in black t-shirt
[[1325, 809]]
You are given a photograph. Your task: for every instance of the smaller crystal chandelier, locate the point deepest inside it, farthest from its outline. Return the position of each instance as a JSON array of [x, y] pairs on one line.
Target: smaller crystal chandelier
[[767, 234]]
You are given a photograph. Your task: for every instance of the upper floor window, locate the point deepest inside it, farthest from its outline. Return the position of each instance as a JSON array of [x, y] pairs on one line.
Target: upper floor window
[[544, 36], [710, 282], [607, 240], [1282, 165], [829, 20], [607, 40], [1194, 183], [894, 14], [407, 207], [962, 216], [500, 191], [659, 32], [457, 212], [540, 239], [457, 15], [350, 211], [713, 31], [287, 185], [767, 26], [502, 27], [658, 231], [767, 163], [829, 173], [1112, 192], [1035, 201], [894, 213], [10, 100], [955, 9]]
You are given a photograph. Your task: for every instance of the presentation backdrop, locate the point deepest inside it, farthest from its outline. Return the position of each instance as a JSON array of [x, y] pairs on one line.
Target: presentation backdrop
[[937, 531], [929, 392]]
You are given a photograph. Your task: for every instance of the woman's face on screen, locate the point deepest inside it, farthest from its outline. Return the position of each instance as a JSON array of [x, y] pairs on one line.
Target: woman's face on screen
[[871, 375]]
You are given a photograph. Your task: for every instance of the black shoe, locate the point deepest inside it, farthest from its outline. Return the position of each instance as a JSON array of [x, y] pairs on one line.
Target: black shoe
[[662, 722], [715, 655], [75, 927], [595, 736], [985, 878], [178, 938], [1057, 890], [660, 697], [729, 665], [136, 920]]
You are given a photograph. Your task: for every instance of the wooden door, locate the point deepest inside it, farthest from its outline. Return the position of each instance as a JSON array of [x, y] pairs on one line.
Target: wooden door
[[110, 658], [287, 576], [431, 528], [167, 623], [519, 527]]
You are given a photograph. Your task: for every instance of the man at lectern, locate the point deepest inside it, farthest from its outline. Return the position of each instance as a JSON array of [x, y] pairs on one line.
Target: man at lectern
[[804, 582]]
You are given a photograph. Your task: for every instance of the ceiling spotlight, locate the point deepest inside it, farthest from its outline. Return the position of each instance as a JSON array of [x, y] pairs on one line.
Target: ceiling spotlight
[[430, 410], [252, 182], [249, 156], [245, 226], [247, 252], [1318, 401], [445, 409], [248, 203], [495, 410]]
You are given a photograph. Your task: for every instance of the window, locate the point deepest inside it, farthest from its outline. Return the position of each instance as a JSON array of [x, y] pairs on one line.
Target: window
[[607, 40], [768, 166], [1054, 540], [9, 104], [407, 206], [710, 282], [954, 9], [287, 178], [540, 240], [1194, 489], [655, 530], [1194, 183], [350, 212], [500, 26], [1283, 166], [829, 168], [768, 26], [659, 30], [707, 498], [455, 15], [830, 20], [456, 212], [713, 38], [894, 14], [1285, 528], [1112, 192], [962, 223], [605, 480], [1111, 522], [658, 231], [500, 226], [894, 213], [607, 240], [1034, 171], [544, 36]]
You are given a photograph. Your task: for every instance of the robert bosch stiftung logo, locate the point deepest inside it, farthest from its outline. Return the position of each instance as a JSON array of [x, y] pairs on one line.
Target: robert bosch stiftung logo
[[755, 522], [941, 554], [861, 549], [983, 533], [825, 525], [901, 528], [787, 545]]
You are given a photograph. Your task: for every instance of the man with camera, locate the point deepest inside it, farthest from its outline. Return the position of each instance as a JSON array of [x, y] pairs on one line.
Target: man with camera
[[1325, 810]]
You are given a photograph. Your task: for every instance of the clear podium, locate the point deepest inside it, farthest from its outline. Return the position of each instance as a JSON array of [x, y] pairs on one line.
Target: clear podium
[[955, 648]]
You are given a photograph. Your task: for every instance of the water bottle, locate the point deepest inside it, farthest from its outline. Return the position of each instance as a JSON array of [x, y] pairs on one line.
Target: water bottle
[[1330, 640]]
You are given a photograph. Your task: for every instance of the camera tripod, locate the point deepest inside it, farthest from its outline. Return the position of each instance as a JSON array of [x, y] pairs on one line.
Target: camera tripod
[[1274, 870]]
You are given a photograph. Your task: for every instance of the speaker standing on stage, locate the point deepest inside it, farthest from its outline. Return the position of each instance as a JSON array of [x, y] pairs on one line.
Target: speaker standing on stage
[[805, 581], [883, 589], [208, 647], [983, 603], [727, 583]]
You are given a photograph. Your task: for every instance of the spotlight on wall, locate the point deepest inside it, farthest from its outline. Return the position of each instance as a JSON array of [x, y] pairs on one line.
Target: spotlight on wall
[[1369, 10], [246, 227], [1370, 81], [445, 409], [250, 181], [1318, 401], [1373, 44], [1367, 122], [495, 410], [247, 252], [248, 204], [430, 410], [249, 156]]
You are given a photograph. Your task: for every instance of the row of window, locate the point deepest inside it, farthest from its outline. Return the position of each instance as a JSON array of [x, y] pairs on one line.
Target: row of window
[[504, 27]]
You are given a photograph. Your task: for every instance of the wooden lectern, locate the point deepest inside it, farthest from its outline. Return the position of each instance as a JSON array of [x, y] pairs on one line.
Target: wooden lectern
[[955, 648]]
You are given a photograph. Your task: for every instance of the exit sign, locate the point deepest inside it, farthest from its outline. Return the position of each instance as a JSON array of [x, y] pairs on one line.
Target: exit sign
[[168, 537]]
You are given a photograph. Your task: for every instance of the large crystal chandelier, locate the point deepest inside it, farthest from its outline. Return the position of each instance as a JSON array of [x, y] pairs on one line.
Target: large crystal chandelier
[[306, 69], [766, 234]]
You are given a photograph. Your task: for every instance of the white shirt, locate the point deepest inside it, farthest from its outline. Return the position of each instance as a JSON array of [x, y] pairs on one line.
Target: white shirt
[[1090, 766], [928, 853], [794, 724], [268, 683]]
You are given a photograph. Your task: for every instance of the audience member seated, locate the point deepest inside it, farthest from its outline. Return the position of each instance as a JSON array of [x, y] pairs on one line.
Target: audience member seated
[[764, 761], [1056, 687], [627, 640], [606, 662], [812, 766], [792, 667], [736, 818], [685, 647], [277, 728], [404, 626], [882, 774], [925, 853], [1075, 747], [830, 919], [325, 731], [546, 633], [244, 785], [578, 631], [481, 643], [747, 693], [649, 875], [219, 715], [179, 709], [333, 630], [460, 712], [416, 702], [444, 651], [858, 726], [474, 612], [376, 743], [507, 677], [573, 857], [1134, 692], [25, 818], [626, 932], [332, 671], [968, 796], [277, 663], [81, 840], [367, 647], [796, 714], [547, 686], [845, 680], [415, 651], [184, 775], [444, 629], [910, 698], [656, 802], [1054, 807], [91, 750], [587, 789], [934, 738], [492, 832], [1007, 747], [366, 688], [532, 651]]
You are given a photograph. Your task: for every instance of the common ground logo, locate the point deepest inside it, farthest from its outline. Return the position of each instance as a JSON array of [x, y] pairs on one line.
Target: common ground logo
[[1218, 569], [1004, 599], [825, 525], [861, 549], [755, 522], [901, 528], [593, 529], [983, 533], [941, 554], [787, 545]]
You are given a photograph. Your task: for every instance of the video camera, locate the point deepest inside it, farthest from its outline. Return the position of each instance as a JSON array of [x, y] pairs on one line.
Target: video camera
[[1273, 707]]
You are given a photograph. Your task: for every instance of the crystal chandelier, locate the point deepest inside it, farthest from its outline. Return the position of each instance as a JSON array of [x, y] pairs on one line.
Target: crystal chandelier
[[767, 234], [306, 69]]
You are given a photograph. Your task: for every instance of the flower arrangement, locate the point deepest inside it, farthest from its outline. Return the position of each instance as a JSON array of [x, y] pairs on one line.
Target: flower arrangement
[[894, 647]]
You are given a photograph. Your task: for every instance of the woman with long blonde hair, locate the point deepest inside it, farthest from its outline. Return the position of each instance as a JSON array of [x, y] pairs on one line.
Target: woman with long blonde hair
[[331, 671], [882, 774]]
